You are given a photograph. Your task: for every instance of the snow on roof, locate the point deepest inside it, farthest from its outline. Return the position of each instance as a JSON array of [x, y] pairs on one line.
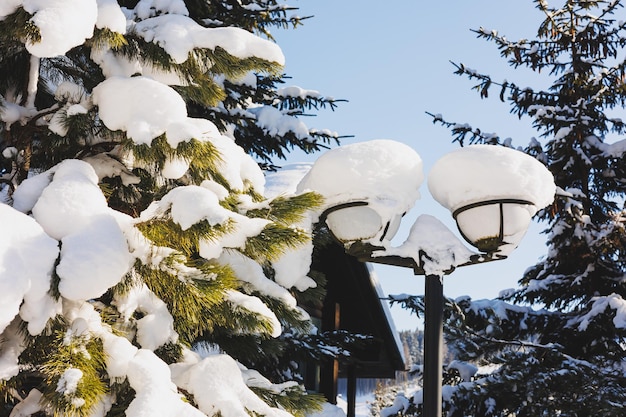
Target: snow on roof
[[385, 306]]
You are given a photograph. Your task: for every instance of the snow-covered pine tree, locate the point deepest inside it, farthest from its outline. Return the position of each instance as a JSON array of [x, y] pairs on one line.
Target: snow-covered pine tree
[[139, 256], [556, 345]]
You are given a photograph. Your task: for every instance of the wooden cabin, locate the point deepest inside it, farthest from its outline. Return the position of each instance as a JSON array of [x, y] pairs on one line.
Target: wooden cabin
[[354, 302]]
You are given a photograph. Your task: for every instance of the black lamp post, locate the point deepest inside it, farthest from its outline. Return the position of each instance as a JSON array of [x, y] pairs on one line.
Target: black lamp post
[[433, 292]]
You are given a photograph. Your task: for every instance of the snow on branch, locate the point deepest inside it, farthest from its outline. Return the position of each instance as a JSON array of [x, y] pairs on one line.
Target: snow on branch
[[600, 305]]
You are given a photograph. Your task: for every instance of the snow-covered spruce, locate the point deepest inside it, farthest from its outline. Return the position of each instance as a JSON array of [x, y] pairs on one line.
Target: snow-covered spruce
[[540, 346], [138, 249]]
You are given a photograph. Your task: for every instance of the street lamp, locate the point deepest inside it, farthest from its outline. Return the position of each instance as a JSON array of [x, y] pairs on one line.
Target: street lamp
[[491, 191]]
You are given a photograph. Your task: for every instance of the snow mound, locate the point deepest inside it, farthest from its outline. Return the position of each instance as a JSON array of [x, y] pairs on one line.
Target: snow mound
[[227, 395], [383, 173], [179, 35], [484, 172], [23, 277], [63, 24], [142, 107], [514, 184]]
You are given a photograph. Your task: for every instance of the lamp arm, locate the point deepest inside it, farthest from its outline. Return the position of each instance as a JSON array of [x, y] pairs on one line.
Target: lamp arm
[[364, 253]]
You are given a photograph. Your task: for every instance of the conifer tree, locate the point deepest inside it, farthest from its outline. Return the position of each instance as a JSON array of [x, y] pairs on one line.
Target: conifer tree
[[555, 346], [143, 272]]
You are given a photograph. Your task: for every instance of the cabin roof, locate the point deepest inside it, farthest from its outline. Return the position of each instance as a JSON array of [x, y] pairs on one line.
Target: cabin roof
[[353, 292]]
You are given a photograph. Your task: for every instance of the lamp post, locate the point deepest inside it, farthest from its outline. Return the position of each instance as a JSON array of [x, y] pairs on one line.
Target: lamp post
[[491, 191], [433, 296]]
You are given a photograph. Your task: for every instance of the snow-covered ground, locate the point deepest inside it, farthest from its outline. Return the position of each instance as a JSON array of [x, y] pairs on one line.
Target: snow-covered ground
[[362, 408]]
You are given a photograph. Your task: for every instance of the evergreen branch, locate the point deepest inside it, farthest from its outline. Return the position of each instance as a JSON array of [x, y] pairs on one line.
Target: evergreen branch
[[18, 25], [416, 304], [198, 84], [237, 320], [252, 193], [205, 160], [263, 143], [289, 316], [232, 202], [198, 68], [295, 104], [164, 232], [293, 399], [203, 157], [233, 113], [204, 91], [72, 374], [271, 243], [288, 210], [234, 68], [516, 94], [550, 27], [537, 54], [105, 38], [336, 344], [462, 131], [189, 301], [254, 16], [517, 343], [75, 66], [522, 52], [524, 99]]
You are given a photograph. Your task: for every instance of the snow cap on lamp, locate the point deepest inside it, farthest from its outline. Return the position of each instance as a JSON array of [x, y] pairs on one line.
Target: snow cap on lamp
[[383, 175], [485, 173]]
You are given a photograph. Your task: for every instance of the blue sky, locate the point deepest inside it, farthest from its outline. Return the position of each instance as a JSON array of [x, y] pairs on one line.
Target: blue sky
[[391, 61]]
